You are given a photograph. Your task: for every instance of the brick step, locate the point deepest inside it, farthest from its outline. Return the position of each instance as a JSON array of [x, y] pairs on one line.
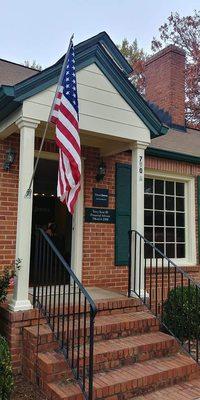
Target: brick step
[[118, 352], [106, 306], [106, 327], [141, 377], [125, 324], [119, 305], [53, 366], [184, 391], [63, 390], [131, 381], [47, 340], [110, 354]]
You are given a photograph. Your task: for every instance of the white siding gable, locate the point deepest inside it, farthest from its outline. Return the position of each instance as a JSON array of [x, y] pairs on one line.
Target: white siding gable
[[102, 108]]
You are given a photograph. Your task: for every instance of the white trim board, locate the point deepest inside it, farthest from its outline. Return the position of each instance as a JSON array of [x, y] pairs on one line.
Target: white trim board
[[190, 223]]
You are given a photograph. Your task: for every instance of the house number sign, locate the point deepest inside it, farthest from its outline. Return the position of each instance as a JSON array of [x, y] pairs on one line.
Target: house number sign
[[140, 168]]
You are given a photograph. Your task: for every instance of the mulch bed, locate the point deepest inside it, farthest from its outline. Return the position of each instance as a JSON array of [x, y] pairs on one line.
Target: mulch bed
[[25, 390]]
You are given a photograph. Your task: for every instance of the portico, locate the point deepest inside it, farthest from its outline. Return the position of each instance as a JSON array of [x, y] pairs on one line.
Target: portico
[[115, 124]]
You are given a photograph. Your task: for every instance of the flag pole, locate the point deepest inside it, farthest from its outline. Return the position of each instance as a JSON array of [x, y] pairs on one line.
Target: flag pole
[[29, 190]]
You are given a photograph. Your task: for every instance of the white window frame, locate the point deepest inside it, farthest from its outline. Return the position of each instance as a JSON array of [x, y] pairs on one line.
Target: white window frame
[[190, 224]]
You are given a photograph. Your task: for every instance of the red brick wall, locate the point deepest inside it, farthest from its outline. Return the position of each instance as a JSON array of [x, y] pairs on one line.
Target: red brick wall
[[99, 241], [49, 145], [165, 82], [8, 202]]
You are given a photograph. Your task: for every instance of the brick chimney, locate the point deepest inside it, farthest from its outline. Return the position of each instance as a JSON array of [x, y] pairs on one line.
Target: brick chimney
[[165, 82]]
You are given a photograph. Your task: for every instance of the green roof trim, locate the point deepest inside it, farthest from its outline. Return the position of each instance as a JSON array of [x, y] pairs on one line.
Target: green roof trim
[[172, 155], [100, 50]]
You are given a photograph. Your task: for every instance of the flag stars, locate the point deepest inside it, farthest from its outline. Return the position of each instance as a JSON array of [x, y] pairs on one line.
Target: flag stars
[[69, 82]]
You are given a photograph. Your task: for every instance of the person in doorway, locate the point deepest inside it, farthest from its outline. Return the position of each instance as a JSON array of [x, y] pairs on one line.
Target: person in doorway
[[56, 239], [51, 229]]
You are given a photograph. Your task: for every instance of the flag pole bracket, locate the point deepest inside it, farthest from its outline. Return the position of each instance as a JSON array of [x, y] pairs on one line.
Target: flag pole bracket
[[28, 193]]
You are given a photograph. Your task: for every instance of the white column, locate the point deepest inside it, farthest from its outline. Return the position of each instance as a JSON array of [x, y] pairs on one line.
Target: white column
[[20, 299], [137, 211], [77, 231]]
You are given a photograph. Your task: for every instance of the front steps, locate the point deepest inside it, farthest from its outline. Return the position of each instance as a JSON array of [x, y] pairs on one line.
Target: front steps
[[184, 391], [116, 353], [131, 357]]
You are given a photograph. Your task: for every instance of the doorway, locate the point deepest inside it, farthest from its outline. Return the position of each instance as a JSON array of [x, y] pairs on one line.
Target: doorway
[[47, 209]]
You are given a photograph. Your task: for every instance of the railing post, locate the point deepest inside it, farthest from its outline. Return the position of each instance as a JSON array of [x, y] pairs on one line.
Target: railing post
[[129, 262], [138, 266], [35, 277], [91, 355]]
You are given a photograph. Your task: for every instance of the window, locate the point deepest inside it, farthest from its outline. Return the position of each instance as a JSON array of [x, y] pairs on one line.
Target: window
[[164, 216]]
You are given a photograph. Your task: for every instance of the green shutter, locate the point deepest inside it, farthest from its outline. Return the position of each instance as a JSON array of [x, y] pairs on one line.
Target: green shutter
[[123, 212], [198, 202]]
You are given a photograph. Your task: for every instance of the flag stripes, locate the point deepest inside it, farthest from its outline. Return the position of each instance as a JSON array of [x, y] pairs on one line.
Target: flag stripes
[[65, 117]]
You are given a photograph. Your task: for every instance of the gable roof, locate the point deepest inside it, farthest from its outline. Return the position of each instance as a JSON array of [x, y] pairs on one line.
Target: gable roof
[[12, 73], [100, 50]]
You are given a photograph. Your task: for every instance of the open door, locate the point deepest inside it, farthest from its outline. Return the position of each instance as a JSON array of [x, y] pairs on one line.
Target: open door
[[47, 209]]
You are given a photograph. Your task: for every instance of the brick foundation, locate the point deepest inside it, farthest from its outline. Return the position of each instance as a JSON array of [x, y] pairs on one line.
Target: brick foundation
[[11, 326]]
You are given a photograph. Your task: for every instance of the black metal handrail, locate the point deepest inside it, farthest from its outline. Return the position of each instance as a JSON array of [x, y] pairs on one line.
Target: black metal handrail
[[167, 290], [68, 308]]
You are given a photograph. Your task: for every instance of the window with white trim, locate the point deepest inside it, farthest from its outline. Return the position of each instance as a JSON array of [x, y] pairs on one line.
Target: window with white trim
[[164, 217]]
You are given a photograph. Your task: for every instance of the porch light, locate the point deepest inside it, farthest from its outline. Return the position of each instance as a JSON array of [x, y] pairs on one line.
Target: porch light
[[101, 172], [9, 159]]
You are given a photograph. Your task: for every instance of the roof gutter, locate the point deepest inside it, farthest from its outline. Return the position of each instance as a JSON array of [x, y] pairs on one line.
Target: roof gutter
[[172, 155]]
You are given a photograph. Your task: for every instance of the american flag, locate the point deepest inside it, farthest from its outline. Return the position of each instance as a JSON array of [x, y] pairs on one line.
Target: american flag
[[65, 116]]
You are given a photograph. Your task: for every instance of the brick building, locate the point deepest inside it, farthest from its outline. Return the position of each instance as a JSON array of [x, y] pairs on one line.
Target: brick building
[[141, 168], [119, 128]]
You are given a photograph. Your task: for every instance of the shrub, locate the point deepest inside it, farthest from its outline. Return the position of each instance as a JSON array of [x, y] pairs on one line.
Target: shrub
[[181, 312], [6, 380], [5, 280]]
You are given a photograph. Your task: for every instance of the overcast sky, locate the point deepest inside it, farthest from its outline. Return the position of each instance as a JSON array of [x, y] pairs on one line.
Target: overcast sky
[[40, 29]]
